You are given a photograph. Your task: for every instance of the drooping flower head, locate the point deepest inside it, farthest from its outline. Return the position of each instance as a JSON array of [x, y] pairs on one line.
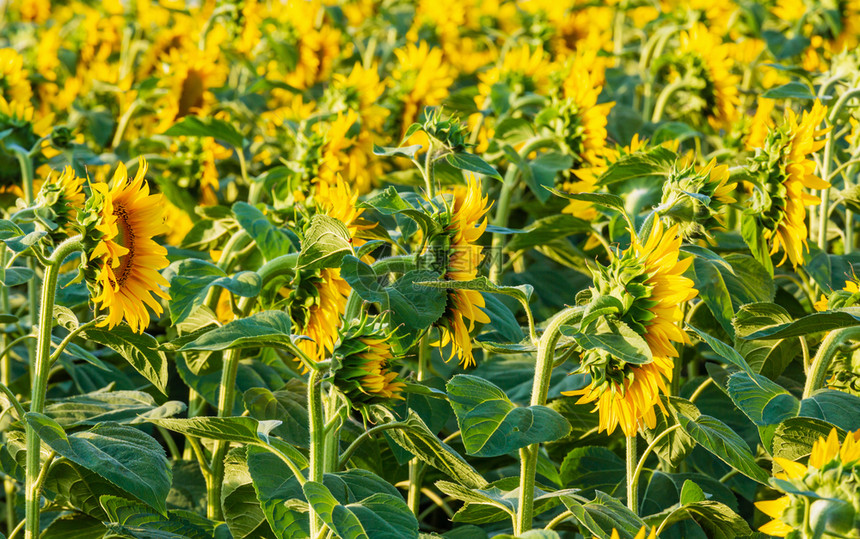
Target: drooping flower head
[[59, 199], [421, 78], [823, 495], [127, 258], [362, 363], [649, 290], [319, 299], [707, 60], [784, 170], [463, 256], [693, 197]]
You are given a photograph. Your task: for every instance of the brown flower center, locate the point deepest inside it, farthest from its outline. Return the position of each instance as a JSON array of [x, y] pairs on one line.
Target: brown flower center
[[126, 238]]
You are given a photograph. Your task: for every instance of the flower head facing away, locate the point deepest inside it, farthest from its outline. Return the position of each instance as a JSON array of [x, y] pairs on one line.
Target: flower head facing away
[[646, 285]]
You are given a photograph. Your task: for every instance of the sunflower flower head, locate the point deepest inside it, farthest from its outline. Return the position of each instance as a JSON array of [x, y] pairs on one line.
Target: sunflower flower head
[[59, 199], [122, 218], [707, 63], [645, 287], [823, 494], [694, 196], [420, 78], [784, 170], [460, 256], [362, 362]]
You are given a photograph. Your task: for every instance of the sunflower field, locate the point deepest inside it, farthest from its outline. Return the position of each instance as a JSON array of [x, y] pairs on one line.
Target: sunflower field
[[359, 269]]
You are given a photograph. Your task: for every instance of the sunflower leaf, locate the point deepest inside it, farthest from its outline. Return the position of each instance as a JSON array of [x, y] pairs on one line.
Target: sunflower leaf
[[139, 349], [196, 126], [125, 456], [191, 279], [472, 163], [263, 329], [491, 425], [813, 323]]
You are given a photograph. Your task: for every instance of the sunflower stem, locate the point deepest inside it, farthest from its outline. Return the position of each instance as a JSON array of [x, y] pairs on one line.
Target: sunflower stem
[[41, 370], [9, 485], [226, 399], [540, 389], [317, 439], [828, 348], [413, 495], [632, 477], [664, 96], [824, 209]]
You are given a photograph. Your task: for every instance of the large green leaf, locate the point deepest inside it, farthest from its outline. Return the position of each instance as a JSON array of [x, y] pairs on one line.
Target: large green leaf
[[139, 349], [763, 401], [813, 323], [724, 351], [836, 407], [286, 405], [547, 229], [492, 425], [191, 279], [125, 456], [196, 126], [766, 357], [242, 511], [594, 468], [794, 437], [615, 338], [118, 406], [421, 442], [132, 520], [603, 515], [724, 443], [272, 240], [716, 519], [472, 163], [326, 242], [242, 430], [263, 329]]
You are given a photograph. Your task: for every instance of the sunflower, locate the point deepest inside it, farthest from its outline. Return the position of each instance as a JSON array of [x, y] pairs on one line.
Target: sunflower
[[694, 196], [831, 476], [784, 170], [760, 124], [647, 280], [318, 302], [364, 354], [420, 78], [708, 58], [465, 226], [127, 258], [62, 196], [190, 74], [13, 77]]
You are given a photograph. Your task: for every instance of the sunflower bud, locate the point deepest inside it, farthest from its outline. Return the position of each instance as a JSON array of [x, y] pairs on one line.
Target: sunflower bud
[[361, 362], [58, 202], [693, 197]]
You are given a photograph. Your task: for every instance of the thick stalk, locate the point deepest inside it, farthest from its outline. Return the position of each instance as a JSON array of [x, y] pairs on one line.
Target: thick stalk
[[664, 98], [25, 160], [828, 348], [332, 432], [317, 432], [503, 204], [226, 399], [41, 368], [632, 479], [9, 486], [540, 389], [824, 210], [416, 467]]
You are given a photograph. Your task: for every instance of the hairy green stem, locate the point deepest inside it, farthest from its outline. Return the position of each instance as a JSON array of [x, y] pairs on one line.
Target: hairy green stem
[[416, 467], [540, 389], [824, 209], [632, 478], [41, 369], [663, 98], [317, 435], [828, 348]]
